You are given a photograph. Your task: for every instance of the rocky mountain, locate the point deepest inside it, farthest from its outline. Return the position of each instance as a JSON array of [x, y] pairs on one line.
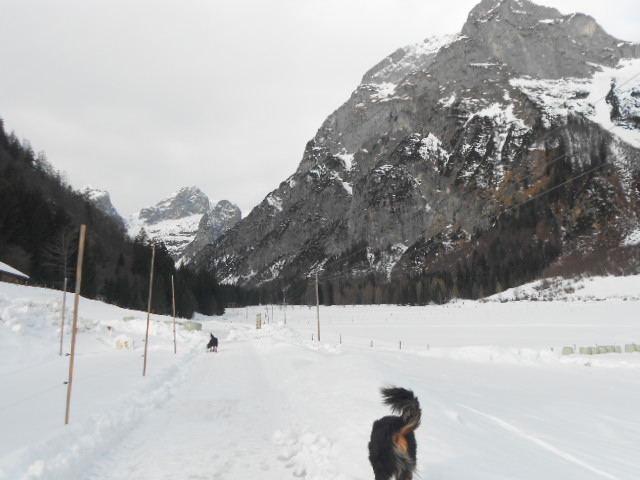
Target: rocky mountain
[[460, 166], [102, 200], [185, 221], [213, 224]]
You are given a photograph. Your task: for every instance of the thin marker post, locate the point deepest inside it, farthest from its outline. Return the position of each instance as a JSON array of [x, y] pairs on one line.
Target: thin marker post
[[146, 338], [318, 305], [83, 230], [64, 305], [173, 295]]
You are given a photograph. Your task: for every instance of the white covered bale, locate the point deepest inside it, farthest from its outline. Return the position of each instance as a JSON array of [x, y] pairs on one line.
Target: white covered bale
[[191, 325]]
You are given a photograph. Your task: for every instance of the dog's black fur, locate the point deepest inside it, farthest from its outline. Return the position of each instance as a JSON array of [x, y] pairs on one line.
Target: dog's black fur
[[212, 346], [392, 449]]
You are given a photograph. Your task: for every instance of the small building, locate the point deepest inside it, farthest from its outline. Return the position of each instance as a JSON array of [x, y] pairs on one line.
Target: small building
[[11, 275]]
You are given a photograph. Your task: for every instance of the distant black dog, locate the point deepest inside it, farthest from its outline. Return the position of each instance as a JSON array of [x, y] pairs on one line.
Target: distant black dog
[[392, 449], [212, 346]]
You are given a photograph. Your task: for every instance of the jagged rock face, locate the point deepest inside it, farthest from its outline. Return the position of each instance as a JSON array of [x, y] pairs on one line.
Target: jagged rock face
[[223, 216], [185, 221], [213, 225], [538, 41], [447, 138], [102, 200], [184, 203]]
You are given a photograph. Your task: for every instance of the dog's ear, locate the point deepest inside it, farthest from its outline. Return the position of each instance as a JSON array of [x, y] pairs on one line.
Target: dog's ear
[[211, 335]]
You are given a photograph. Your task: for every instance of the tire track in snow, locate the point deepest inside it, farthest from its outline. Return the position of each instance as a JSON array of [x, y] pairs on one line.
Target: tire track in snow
[[541, 443]]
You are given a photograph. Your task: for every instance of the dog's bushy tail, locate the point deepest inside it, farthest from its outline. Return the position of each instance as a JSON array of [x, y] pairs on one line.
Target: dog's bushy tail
[[403, 401]]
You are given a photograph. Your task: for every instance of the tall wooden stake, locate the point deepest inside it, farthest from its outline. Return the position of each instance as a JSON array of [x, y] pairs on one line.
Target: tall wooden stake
[[173, 295], [83, 231], [146, 338], [64, 302], [284, 305], [318, 305]]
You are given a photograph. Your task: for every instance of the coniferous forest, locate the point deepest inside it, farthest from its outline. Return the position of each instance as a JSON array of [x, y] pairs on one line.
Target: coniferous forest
[[40, 218]]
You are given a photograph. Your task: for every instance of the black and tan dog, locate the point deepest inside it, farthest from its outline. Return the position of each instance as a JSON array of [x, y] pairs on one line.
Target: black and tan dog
[[212, 346], [392, 449]]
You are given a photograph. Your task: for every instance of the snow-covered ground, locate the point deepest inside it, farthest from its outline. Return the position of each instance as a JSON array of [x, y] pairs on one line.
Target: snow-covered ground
[[499, 399]]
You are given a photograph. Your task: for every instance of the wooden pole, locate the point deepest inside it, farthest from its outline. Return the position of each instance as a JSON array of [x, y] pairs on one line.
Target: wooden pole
[[64, 303], [83, 230], [146, 338], [173, 295], [318, 306]]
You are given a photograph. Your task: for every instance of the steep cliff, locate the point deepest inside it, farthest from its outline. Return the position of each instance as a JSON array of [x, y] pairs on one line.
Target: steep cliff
[[515, 144]]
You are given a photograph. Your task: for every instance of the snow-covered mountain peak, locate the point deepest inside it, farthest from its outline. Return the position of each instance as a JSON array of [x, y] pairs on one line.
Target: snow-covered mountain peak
[[102, 200], [185, 202], [498, 10], [541, 42], [93, 193], [437, 141], [181, 217]]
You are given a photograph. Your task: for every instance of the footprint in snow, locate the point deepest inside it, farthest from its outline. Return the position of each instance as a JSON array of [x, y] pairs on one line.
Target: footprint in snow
[[307, 455]]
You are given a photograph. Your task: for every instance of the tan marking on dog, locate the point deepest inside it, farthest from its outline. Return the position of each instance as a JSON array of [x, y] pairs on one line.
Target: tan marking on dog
[[400, 440]]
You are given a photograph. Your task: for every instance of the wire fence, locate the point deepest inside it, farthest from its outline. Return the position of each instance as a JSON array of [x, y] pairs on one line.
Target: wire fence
[[62, 383]]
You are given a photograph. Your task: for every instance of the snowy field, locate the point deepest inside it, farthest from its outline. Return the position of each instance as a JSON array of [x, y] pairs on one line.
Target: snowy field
[[499, 399]]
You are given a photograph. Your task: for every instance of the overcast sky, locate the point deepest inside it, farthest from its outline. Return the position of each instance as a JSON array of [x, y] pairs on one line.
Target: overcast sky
[[143, 97]]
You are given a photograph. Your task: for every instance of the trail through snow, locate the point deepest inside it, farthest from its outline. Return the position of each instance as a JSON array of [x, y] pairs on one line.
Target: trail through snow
[[226, 422], [499, 400]]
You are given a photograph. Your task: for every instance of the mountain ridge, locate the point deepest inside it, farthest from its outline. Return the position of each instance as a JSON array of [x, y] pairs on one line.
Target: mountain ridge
[[438, 144], [182, 218], [102, 200]]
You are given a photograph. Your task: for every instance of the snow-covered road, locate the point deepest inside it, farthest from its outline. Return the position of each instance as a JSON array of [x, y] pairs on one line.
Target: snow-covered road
[[234, 417], [499, 400], [272, 406], [218, 426]]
